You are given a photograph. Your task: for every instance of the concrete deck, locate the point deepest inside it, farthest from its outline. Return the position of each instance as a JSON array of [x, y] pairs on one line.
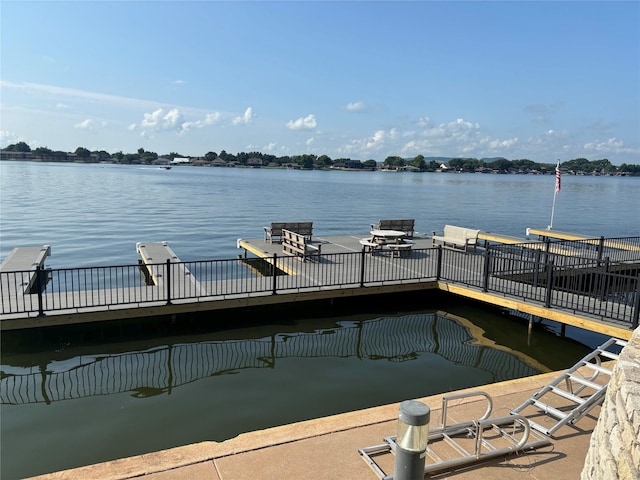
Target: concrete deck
[[328, 447]]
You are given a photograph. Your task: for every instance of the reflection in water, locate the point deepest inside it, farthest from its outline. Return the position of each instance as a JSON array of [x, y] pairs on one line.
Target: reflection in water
[[160, 370]]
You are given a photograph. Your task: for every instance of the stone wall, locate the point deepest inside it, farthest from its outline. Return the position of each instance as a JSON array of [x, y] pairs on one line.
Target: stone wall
[[614, 449]]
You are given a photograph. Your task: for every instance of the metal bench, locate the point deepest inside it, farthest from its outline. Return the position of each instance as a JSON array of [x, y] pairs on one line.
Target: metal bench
[[402, 225], [457, 237], [273, 232]]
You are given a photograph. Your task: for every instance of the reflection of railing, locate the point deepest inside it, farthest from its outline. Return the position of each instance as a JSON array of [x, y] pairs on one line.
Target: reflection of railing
[[161, 369], [555, 277]]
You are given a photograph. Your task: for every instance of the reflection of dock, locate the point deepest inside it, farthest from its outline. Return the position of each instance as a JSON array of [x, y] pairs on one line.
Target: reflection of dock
[[161, 369]]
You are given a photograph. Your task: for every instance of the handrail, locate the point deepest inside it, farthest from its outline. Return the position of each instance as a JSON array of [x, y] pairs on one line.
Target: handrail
[[580, 284]]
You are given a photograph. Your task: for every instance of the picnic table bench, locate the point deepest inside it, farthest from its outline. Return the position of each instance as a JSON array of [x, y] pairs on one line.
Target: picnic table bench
[[273, 232], [457, 237], [402, 225], [299, 245]]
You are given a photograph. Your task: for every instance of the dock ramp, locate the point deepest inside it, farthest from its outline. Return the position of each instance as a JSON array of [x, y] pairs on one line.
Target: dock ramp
[[157, 259], [23, 262], [571, 395]]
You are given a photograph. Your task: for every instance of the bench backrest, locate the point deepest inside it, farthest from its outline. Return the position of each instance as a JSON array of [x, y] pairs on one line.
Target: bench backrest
[[292, 237], [402, 224], [303, 228], [461, 233]]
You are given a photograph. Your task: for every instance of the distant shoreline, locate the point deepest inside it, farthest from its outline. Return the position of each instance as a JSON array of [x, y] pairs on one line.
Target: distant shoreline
[[380, 168]]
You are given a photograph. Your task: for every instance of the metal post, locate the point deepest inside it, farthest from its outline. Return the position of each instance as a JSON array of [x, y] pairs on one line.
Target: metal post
[[274, 286], [549, 265], [39, 290], [439, 263], [601, 248], [362, 260], [485, 272], [411, 442], [636, 307], [167, 278]]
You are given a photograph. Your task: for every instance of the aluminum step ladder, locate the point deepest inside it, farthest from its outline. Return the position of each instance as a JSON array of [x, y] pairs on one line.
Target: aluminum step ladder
[[458, 445], [571, 395]]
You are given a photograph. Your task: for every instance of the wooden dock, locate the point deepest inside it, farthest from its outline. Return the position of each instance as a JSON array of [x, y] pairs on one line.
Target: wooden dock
[[343, 270], [543, 233], [26, 260], [155, 256]]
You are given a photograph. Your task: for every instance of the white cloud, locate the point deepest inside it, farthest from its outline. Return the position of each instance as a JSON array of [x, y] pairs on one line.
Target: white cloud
[[209, 119], [271, 146], [309, 142], [306, 123], [611, 145], [87, 124], [8, 138], [62, 106], [246, 118], [358, 106]]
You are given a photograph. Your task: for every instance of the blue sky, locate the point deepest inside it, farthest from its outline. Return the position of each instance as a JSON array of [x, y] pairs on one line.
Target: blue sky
[[365, 79]]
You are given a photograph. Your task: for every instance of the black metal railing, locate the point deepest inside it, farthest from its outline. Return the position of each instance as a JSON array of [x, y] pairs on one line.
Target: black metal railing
[[589, 284]]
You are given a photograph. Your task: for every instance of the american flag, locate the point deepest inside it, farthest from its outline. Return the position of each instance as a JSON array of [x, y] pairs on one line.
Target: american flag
[[558, 177]]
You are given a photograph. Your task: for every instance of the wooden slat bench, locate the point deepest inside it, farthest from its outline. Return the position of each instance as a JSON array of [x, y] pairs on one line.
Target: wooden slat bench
[[402, 225], [274, 231], [457, 237], [298, 245]]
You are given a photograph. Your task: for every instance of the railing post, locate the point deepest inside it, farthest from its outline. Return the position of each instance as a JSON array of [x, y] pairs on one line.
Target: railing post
[[274, 285], [605, 280], [439, 264], [636, 308], [485, 271], [547, 302], [39, 290], [362, 260], [601, 248], [167, 278]]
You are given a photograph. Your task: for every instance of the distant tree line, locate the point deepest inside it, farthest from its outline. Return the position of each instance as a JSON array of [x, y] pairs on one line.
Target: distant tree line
[[22, 150]]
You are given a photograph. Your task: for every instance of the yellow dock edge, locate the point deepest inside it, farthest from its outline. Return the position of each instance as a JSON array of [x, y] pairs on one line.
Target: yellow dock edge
[[267, 257], [548, 313]]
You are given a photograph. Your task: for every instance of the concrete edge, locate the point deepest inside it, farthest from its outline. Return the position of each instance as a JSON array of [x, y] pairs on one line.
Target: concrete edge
[[165, 460]]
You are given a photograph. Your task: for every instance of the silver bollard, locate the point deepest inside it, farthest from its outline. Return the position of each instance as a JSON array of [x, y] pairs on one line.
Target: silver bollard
[[412, 439]]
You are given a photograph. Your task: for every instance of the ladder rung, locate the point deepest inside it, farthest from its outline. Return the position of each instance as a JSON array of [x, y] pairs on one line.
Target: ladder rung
[[586, 383], [560, 415], [597, 368], [538, 427], [611, 355], [568, 395]]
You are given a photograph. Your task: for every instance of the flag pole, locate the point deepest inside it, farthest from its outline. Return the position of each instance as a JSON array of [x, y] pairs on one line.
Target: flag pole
[[555, 194]]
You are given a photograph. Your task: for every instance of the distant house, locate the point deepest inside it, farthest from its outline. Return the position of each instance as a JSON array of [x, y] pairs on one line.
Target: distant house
[[219, 162], [180, 161]]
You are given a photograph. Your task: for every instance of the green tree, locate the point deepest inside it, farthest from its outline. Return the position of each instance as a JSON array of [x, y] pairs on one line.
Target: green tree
[[419, 163], [18, 147], [83, 153]]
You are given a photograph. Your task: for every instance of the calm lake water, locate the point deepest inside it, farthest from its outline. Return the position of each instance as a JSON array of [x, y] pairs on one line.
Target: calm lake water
[[95, 214], [89, 394]]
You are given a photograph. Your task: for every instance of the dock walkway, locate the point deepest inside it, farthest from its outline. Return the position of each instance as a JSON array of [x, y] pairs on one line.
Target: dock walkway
[[156, 255], [514, 280], [25, 260]]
